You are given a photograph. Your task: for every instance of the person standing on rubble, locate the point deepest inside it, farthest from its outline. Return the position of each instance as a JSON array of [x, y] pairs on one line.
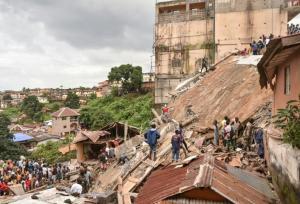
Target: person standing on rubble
[[165, 112], [182, 137], [260, 142], [248, 134], [176, 143], [223, 125], [236, 126], [216, 132], [227, 135], [151, 136]]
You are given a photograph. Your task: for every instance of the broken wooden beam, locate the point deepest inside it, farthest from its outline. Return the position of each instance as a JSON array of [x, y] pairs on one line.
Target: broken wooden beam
[[157, 116], [189, 121]]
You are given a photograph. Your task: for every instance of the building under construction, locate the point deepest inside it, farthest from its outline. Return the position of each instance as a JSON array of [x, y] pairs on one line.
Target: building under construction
[[188, 31]]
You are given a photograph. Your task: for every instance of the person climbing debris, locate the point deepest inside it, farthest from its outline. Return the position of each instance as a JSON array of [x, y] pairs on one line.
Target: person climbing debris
[[248, 135], [216, 132], [204, 65], [259, 139], [151, 136], [165, 113], [183, 142], [176, 143]]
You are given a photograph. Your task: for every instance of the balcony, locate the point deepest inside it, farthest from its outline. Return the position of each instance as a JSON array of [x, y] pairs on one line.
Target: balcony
[[180, 16]]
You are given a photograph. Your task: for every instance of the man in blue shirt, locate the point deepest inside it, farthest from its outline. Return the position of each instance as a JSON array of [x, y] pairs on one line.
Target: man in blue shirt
[[151, 136]]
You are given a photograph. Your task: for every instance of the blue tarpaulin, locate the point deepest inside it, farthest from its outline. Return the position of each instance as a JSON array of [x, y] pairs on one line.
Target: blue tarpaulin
[[21, 137]]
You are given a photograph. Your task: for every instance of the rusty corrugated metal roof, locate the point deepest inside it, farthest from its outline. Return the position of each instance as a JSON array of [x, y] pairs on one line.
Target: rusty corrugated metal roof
[[89, 135], [203, 172]]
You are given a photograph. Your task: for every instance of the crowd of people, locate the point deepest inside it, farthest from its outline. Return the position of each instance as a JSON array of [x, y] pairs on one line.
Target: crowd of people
[[293, 29], [30, 174], [233, 135], [258, 47], [230, 134]]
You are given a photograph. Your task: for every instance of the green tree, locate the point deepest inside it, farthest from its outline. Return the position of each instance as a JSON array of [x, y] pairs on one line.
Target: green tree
[[8, 149], [288, 119], [131, 77], [72, 101], [32, 108]]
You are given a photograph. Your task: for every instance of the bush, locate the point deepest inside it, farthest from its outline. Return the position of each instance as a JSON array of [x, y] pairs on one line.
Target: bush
[[50, 153], [133, 108], [288, 119]]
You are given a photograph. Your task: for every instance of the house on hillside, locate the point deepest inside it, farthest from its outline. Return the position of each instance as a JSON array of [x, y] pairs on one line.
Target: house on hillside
[[64, 121], [204, 180], [25, 140], [103, 88], [280, 69]]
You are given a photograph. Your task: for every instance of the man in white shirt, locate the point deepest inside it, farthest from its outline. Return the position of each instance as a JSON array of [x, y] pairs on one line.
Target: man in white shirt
[[76, 188]]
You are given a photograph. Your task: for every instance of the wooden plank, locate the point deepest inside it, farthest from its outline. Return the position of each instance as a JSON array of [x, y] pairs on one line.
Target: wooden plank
[[132, 179], [149, 162], [125, 131], [17, 189], [120, 188], [157, 115], [126, 198], [128, 186]]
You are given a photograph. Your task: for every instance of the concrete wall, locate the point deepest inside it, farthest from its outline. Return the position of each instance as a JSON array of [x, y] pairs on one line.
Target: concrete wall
[[186, 41], [239, 29], [61, 127], [164, 85], [183, 36], [280, 98], [284, 164], [225, 6]]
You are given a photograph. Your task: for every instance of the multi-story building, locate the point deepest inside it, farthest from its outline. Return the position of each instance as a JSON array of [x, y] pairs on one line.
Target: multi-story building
[[64, 121], [183, 37], [187, 31]]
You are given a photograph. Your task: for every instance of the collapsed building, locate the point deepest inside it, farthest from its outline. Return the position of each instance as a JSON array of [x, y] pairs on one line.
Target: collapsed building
[[89, 143], [188, 31]]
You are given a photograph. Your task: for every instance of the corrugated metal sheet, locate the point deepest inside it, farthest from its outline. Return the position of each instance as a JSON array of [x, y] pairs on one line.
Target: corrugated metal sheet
[[235, 190], [90, 135], [190, 201], [204, 172]]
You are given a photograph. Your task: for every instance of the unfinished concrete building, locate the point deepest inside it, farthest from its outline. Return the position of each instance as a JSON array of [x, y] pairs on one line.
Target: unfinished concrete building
[[183, 37], [187, 31]]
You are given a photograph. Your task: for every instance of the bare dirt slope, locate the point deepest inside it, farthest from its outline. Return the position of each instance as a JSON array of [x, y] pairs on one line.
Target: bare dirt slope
[[230, 89]]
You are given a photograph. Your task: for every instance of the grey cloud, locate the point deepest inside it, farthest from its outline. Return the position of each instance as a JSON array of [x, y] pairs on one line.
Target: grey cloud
[[94, 24]]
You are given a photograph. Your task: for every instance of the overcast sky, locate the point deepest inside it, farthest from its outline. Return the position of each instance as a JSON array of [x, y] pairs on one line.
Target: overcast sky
[[48, 43]]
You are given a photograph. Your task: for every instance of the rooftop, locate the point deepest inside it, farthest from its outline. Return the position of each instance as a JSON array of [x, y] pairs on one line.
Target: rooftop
[[278, 52], [203, 173], [65, 112], [21, 137]]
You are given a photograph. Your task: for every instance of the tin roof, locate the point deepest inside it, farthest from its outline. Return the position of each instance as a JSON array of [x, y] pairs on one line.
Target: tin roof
[[21, 137], [89, 135], [205, 172]]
